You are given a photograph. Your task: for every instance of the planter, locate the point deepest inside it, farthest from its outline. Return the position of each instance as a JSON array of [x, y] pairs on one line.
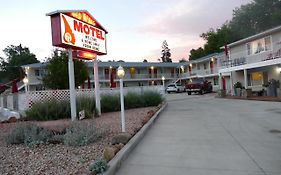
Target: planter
[[279, 93], [246, 93], [222, 93], [271, 90], [249, 92], [237, 91]]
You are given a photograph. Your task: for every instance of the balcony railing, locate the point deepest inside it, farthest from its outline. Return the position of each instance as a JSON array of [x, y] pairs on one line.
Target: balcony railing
[[139, 76], [242, 58], [193, 73], [199, 73]]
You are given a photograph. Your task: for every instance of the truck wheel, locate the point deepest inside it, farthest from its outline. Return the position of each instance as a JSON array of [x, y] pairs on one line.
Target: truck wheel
[[189, 93], [201, 92]]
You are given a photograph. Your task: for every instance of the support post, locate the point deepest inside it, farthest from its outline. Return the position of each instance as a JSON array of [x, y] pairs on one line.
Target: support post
[[245, 79], [72, 86], [220, 81], [231, 83], [97, 87]]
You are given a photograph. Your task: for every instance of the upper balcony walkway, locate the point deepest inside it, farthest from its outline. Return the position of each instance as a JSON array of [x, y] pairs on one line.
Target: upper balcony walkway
[[241, 60]]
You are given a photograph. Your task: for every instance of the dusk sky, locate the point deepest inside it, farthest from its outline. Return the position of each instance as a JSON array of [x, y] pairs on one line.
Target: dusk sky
[[136, 28]]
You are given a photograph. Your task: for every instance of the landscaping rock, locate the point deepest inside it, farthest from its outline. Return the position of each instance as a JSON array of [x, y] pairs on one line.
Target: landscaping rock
[[145, 120], [109, 153], [159, 106], [59, 158], [121, 138], [118, 147], [150, 113], [12, 120]]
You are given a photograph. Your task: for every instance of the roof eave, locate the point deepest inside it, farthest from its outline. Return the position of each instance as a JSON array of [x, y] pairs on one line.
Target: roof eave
[[253, 37]]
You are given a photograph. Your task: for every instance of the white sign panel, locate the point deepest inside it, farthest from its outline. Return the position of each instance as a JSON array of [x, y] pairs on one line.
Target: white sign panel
[[79, 34]]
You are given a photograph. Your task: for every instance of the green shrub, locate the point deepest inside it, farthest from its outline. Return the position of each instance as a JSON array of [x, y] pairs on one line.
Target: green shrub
[[110, 103], [99, 166], [29, 135], [49, 110], [152, 98], [55, 109], [87, 104], [16, 135], [133, 100], [81, 133], [238, 84]]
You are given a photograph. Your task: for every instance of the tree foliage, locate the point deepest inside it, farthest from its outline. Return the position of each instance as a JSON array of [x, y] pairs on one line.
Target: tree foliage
[[247, 20], [256, 17], [183, 60], [16, 56], [166, 55], [57, 71]]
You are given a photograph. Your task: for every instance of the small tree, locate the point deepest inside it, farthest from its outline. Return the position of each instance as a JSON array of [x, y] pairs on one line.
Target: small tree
[[16, 56], [166, 55], [57, 71]]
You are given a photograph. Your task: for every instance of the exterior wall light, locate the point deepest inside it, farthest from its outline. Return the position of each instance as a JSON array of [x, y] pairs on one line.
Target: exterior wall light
[[25, 81], [278, 69]]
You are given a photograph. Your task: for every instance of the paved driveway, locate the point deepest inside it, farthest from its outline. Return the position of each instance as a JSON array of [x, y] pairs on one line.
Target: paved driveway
[[203, 135]]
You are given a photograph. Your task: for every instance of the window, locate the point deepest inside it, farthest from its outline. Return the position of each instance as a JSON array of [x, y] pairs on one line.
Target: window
[[267, 41], [37, 72], [205, 66], [198, 66], [256, 78], [259, 46]]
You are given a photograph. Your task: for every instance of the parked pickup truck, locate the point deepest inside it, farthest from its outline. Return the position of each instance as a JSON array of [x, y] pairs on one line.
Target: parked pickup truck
[[200, 86]]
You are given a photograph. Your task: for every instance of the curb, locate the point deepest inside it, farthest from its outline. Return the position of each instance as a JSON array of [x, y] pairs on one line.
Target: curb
[[116, 162]]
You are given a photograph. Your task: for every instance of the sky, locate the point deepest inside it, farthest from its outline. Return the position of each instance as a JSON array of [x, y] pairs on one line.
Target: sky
[[136, 28]]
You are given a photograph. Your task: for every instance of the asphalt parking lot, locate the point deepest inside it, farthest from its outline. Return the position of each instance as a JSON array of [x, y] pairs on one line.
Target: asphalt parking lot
[[204, 135]]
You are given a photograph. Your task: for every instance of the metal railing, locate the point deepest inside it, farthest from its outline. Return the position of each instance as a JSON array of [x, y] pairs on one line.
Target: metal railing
[[242, 57]]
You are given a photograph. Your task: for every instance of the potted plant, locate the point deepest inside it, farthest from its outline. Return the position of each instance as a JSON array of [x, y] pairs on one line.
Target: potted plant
[[237, 88], [271, 87]]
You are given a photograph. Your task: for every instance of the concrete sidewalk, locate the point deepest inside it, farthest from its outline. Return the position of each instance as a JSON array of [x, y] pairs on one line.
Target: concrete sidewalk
[[203, 135]]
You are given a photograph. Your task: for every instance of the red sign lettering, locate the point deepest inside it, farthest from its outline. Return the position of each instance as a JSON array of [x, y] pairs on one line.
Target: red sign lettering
[[87, 29]]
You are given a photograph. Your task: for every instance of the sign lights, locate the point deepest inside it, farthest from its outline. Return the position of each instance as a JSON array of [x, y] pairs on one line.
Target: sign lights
[[84, 55], [83, 17]]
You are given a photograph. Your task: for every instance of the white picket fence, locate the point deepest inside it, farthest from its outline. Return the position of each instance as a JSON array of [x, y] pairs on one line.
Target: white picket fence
[[23, 101]]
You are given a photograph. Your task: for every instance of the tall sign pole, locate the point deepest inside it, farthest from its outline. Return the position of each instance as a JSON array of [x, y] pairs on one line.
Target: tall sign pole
[[97, 86], [72, 86], [78, 30]]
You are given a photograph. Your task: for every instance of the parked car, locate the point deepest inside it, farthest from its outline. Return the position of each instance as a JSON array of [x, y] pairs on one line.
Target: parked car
[[175, 87], [199, 85]]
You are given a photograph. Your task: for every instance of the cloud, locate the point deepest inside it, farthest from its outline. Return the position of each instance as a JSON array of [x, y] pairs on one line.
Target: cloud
[[181, 22], [191, 17]]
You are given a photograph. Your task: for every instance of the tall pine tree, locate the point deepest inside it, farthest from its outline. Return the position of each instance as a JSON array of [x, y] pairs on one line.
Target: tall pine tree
[[166, 55]]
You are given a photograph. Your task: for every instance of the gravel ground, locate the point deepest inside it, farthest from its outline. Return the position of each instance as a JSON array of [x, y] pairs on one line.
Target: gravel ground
[[61, 159]]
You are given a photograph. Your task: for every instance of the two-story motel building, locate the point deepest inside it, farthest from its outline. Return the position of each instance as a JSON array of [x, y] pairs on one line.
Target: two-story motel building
[[253, 61], [137, 73]]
